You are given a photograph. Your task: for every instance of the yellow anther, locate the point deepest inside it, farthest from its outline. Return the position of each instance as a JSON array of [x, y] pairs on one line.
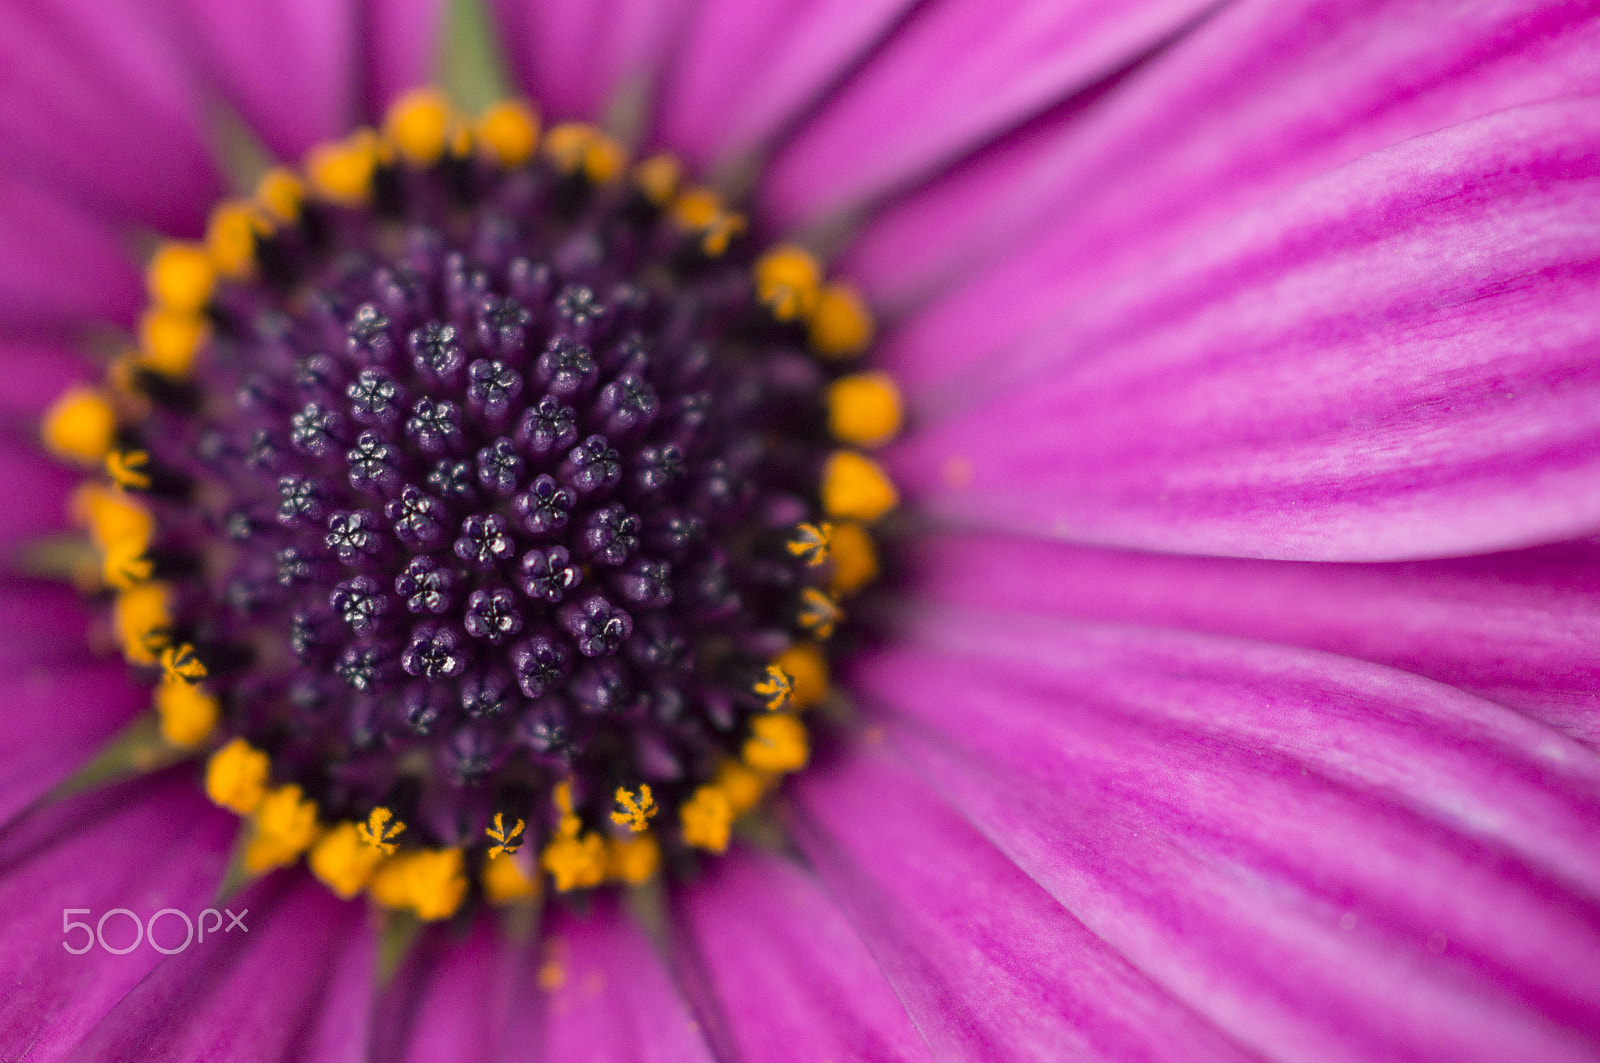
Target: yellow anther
[[633, 860], [188, 714], [231, 238], [284, 826], [141, 620], [776, 687], [180, 277], [504, 881], [381, 829], [80, 426], [855, 486], [430, 882], [808, 668], [864, 409], [236, 776], [811, 542], [572, 146], [575, 861], [506, 841], [819, 614], [776, 744], [342, 171], [787, 281], [700, 210], [510, 131], [634, 813], [342, 861], [562, 795], [125, 566], [113, 518], [180, 664], [741, 786], [658, 178], [841, 325], [419, 124], [280, 193], [855, 558], [129, 468], [169, 340], [706, 818]]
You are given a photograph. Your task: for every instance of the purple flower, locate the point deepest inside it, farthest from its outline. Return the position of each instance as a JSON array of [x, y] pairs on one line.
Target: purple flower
[[1232, 689]]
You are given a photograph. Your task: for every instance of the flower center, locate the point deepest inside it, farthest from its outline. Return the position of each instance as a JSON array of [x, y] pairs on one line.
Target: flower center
[[475, 489]]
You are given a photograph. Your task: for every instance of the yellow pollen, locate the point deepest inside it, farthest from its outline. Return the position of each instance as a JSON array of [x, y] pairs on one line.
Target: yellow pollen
[[504, 881], [510, 130], [575, 861], [808, 669], [700, 210], [418, 125], [231, 238], [819, 614], [658, 178], [342, 861], [787, 280], [180, 664], [431, 882], [188, 714], [811, 542], [168, 340], [776, 744], [841, 325], [506, 841], [113, 518], [707, 817], [125, 566], [864, 409], [280, 193], [573, 145], [342, 171], [633, 860], [140, 619], [180, 277], [381, 829], [129, 468], [635, 814], [80, 426], [741, 786], [284, 826], [236, 776], [855, 486], [855, 559], [776, 688]]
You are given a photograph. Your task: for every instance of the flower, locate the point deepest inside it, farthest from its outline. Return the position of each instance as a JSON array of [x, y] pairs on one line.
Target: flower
[[1235, 697]]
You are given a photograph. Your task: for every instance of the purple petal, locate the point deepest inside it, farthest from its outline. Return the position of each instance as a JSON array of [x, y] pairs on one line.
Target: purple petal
[[246, 49], [58, 268], [1330, 859], [240, 995], [97, 104], [400, 41], [1519, 629], [452, 1002], [342, 1029], [1396, 361], [791, 977], [954, 75], [39, 489], [746, 69], [35, 376], [575, 58], [157, 845], [987, 964]]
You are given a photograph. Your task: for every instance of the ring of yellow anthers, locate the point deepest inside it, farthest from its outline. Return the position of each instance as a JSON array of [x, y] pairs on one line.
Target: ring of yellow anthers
[[864, 411]]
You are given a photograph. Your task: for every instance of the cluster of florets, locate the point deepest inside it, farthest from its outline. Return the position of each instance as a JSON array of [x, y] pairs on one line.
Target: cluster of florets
[[485, 492]]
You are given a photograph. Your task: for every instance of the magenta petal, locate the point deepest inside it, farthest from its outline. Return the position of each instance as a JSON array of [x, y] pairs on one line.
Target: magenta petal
[[40, 488], [575, 58], [954, 75], [789, 974], [1519, 628], [342, 1030], [158, 846], [987, 964], [452, 1001], [400, 40], [246, 50], [240, 995], [746, 69], [58, 268], [1397, 361], [1330, 859], [97, 103], [35, 376]]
